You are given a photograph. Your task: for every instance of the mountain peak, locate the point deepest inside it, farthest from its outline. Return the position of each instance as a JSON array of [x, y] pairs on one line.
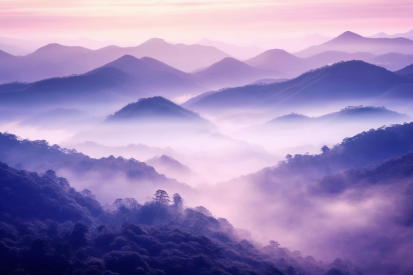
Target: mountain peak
[[275, 59], [126, 59], [154, 42], [229, 61], [156, 107], [222, 67], [128, 64], [348, 35], [277, 52], [55, 48]]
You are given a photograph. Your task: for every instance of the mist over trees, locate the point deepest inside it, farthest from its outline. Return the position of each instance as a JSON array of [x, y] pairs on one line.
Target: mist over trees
[[202, 202], [367, 178], [61, 231]]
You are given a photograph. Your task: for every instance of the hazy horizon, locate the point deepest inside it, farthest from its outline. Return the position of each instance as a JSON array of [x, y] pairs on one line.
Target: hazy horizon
[[236, 22]]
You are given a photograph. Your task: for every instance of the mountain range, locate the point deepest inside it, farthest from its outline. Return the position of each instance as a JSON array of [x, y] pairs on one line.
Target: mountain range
[[352, 43], [231, 72], [158, 69], [408, 35], [122, 80], [284, 63], [235, 51], [55, 60], [351, 80], [294, 44], [102, 85], [351, 114], [390, 53], [39, 156]]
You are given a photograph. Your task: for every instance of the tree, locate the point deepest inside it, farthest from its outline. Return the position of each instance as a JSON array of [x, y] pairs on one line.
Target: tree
[[118, 203], [78, 236], [203, 210], [88, 194], [274, 244], [178, 201], [161, 197], [325, 149], [130, 203]]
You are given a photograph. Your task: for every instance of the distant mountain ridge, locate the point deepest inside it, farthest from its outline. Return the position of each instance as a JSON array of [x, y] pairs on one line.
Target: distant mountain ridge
[[278, 60], [55, 60], [351, 42], [122, 80], [101, 85], [232, 72], [292, 65], [356, 116], [236, 51], [349, 80], [408, 35], [156, 75], [350, 113]]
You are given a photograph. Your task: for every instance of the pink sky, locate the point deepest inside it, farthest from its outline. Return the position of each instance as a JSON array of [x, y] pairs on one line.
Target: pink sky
[[191, 20]]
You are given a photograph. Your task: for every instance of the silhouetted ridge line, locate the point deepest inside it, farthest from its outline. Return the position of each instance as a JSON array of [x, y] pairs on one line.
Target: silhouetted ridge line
[[367, 148], [406, 70], [39, 156], [348, 80], [154, 108]]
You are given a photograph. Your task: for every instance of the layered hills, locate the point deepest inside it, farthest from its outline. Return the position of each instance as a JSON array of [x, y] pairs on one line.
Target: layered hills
[[55, 60], [102, 85], [122, 80], [351, 42], [232, 72], [351, 114], [352, 80], [39, 156]]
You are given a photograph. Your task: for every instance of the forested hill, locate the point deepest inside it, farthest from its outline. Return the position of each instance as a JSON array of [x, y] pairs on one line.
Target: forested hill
[[361, 150], [39, 156], [60, 231]]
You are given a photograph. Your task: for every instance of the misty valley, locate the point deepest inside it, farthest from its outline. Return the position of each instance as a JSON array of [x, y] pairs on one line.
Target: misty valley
[[207, 158]]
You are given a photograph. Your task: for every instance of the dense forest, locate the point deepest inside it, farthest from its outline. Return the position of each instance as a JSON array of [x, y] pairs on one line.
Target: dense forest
[[367, 148], [45, 220], [47, 227]]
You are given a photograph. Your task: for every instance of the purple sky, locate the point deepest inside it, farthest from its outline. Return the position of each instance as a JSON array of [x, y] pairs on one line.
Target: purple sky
[[126, 21]]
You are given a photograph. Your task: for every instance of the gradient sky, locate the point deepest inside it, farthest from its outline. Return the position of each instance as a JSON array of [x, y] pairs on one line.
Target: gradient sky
[[191, 20]]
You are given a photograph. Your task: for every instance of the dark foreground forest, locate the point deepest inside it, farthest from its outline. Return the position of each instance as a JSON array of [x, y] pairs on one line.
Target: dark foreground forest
[[47, 227]]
